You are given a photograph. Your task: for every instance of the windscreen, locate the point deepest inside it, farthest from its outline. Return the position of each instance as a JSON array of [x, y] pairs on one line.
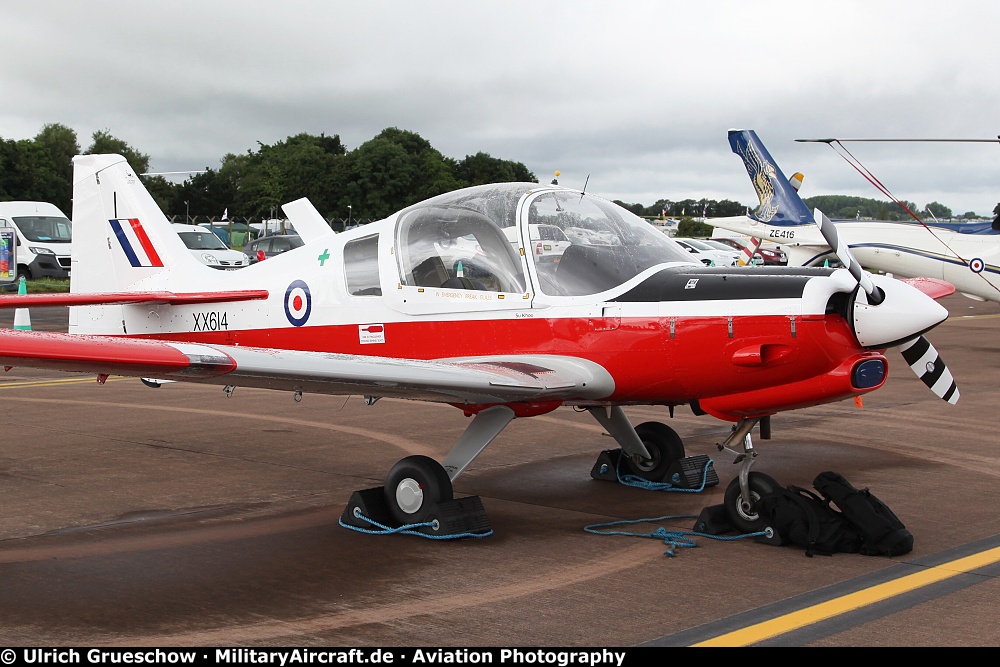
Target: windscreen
[[45, 229], [205, 240], [608, 245]]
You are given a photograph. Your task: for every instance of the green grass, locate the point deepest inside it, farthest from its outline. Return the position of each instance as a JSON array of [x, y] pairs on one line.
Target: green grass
[[44, 285]]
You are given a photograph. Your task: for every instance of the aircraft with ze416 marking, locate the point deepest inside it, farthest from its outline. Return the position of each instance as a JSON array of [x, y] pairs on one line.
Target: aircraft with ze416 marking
[[455, 300], [966, 255]]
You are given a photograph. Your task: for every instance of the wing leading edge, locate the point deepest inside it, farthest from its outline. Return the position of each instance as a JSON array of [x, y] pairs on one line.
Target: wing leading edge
[[479, 380]]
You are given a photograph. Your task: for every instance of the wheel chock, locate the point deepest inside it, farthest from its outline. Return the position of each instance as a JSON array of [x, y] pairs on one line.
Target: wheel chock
[[692, 472], [370, 504], [606, 467], [461, 516], [367, 510], [713, 520]]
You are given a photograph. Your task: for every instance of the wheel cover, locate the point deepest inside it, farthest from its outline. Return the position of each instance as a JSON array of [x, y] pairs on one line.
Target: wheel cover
[[409, 495]]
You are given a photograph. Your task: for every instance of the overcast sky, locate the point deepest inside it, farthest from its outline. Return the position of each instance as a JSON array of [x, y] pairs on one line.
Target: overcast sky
[[638, 96]]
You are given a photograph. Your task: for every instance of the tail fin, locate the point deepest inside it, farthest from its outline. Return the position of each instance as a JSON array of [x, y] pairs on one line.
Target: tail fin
[[120, 236], [780, 204]]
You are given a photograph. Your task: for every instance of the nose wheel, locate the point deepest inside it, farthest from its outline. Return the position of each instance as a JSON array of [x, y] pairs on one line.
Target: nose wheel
[[742, 511]]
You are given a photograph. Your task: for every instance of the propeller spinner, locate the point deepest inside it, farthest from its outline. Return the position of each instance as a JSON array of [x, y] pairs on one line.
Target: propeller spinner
[[895, 314]]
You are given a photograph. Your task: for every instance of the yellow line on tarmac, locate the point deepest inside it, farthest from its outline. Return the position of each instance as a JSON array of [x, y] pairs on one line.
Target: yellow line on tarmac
[[842, 605], [57, 382]]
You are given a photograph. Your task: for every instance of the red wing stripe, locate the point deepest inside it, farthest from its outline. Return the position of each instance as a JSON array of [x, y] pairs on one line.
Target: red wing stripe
[[112, 355]]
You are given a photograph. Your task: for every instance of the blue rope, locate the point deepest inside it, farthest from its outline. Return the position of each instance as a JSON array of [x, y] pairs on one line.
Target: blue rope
[[674, 539], [642, 483], [408, 529]]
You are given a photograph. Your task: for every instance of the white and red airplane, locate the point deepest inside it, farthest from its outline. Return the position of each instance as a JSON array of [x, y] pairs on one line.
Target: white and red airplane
[[446, 301]]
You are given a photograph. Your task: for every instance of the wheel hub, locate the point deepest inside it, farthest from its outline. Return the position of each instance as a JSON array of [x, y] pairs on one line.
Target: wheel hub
[[746, 507], [644, 464], [409, 495]]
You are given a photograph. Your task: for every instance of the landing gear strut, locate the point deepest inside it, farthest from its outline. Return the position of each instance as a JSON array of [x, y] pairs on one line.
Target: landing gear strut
[[418, 490], [652, 451], [743, 492]]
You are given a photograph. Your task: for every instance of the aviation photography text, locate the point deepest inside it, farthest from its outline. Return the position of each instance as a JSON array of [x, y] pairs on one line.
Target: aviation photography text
[[321, 656]]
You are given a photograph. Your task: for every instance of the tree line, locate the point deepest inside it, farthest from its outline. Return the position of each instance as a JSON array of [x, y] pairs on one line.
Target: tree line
[[392, 170]]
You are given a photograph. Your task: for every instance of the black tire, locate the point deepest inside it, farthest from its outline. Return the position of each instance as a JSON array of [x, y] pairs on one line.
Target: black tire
[[414, 487], [746, 519], [664, 447], [23, 272]]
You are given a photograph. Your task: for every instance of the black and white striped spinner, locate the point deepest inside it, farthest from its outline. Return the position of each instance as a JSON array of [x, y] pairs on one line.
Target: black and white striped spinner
[[925, 361]]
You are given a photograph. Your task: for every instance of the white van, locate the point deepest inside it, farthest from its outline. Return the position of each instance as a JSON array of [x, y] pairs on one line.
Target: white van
[[44, 236]]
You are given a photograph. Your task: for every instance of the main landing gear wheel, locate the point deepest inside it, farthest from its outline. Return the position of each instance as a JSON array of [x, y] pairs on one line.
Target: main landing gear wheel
[[414, 488], [742, 514], [664, 447]]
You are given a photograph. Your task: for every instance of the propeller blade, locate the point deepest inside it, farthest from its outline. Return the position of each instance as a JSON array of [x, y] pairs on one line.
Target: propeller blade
[[925, 361], [843, 252]]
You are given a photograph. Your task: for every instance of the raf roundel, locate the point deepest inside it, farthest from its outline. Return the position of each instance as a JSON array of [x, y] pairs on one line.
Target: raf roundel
[[977, 265], [298, 303]]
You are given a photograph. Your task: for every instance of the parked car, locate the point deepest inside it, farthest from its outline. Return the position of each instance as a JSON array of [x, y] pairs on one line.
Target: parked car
[[757, 259], [548, 242], [209, 249], [269, 246], [584, 236], [708, 255], [221, 232], [769, 255]]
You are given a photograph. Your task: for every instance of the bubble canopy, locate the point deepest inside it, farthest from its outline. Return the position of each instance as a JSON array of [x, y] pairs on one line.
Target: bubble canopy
[[580, 244]]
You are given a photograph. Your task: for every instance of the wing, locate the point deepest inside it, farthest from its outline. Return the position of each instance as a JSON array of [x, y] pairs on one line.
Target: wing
[[480, 380], [106, 298], [932, 287]]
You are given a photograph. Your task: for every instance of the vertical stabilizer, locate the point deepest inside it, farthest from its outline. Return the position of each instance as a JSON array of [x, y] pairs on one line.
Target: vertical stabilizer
[[780, 204], [121, 239]]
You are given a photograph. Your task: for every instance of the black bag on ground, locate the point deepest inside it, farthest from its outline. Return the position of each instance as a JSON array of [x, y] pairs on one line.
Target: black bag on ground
[[800, 517], [883, 534]]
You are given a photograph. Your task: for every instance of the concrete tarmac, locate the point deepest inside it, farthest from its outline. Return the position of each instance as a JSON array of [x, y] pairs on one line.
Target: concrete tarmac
[[176, 516]]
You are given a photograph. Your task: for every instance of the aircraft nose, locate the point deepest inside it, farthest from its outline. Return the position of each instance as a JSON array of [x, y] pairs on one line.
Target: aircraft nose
[[905, 312]]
